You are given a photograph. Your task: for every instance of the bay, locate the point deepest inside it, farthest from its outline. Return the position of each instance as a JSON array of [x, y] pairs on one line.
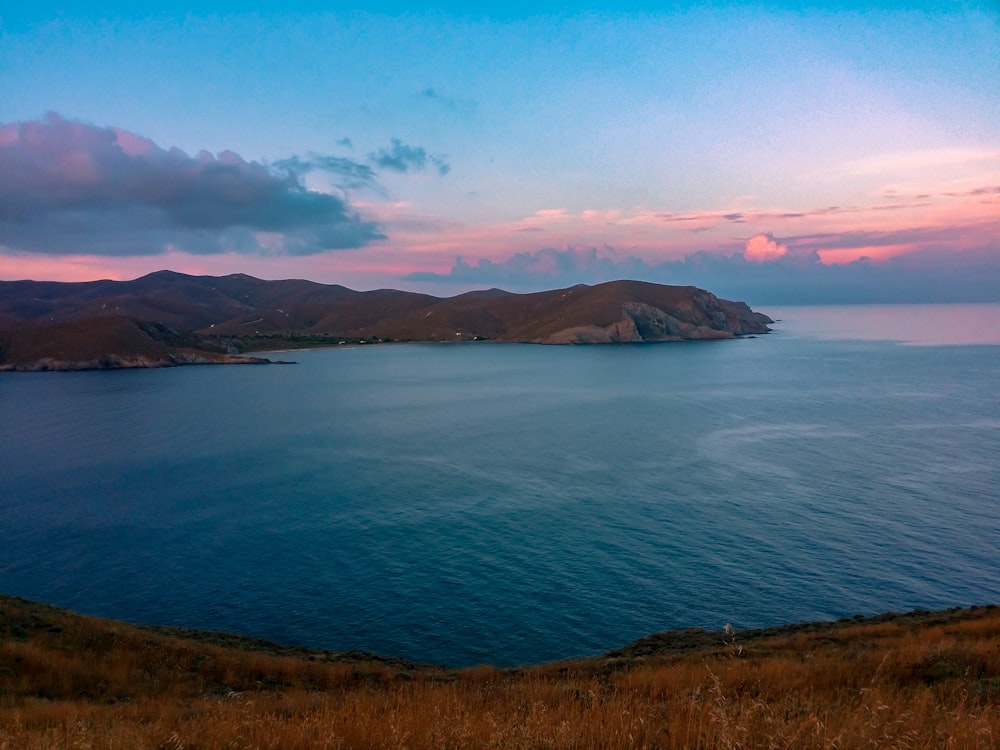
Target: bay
[[512, 504]]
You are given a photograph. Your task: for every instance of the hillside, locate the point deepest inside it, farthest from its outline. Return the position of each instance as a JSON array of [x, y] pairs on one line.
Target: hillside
[[207, 316], [108, 342], [915, 680]]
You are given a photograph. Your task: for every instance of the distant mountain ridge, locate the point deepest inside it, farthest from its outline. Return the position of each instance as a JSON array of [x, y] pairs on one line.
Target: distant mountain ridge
[[168, 318]]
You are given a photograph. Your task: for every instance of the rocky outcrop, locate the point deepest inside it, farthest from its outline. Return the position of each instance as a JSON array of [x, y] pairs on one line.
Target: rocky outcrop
[[622, 332], [701, 315]]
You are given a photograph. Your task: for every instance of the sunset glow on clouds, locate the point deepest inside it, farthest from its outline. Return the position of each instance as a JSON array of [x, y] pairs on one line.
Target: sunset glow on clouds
[[766, 153], [762, 248]]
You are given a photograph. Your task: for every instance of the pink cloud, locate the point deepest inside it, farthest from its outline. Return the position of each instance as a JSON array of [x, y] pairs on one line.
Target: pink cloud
[[762, 248], [132, 144], [839, 234], [8, 133]]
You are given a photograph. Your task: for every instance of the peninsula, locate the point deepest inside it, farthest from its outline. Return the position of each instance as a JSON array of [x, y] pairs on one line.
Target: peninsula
[[168, 319]]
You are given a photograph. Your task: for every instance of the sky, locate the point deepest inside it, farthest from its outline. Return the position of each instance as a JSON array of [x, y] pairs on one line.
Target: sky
[[776, 153]]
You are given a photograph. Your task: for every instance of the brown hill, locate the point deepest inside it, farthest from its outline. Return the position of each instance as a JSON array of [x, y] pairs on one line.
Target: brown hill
[[106, 342], [241, 306], [169, 318], [618, 311], [173, 299]]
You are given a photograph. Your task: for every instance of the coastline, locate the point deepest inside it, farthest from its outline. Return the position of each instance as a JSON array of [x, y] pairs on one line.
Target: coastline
[[113, 362]]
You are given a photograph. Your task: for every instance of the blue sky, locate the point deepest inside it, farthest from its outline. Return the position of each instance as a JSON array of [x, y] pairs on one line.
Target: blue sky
[[425, 147]]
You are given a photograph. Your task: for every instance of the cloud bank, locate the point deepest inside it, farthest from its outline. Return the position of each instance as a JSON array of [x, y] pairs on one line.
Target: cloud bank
[[788, 278], [71, 188]]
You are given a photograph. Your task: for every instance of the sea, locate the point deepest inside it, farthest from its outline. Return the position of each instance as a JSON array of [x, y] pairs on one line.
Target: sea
[[512, 504]]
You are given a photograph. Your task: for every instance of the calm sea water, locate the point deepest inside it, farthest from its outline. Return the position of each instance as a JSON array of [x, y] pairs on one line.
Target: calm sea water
[[470, 503]]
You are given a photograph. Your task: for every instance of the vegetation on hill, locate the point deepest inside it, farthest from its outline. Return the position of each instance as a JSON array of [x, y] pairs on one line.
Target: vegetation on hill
[[920, 680]]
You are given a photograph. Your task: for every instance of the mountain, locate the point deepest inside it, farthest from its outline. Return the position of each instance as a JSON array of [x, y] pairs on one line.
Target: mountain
[[169, 318]]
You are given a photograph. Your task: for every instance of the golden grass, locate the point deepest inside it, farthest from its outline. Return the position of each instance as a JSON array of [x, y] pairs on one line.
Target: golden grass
[[925, 682]]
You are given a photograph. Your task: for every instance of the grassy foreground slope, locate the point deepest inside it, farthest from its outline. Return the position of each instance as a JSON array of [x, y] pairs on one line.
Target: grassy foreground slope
[[919, 680]]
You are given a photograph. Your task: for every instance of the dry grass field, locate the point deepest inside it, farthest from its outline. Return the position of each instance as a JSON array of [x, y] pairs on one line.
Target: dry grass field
[[920, 680]]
